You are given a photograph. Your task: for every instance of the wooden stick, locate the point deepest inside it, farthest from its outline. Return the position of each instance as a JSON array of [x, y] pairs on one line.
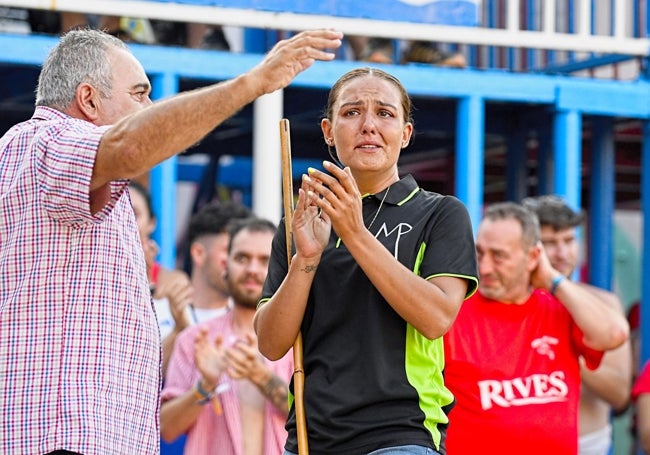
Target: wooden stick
[[298, 371]]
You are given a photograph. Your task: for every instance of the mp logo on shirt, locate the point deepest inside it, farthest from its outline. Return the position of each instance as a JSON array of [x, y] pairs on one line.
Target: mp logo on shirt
[[534, 389], [399, 230]]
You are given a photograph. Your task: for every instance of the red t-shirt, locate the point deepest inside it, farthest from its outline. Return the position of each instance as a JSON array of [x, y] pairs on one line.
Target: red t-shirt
[[514, 372]]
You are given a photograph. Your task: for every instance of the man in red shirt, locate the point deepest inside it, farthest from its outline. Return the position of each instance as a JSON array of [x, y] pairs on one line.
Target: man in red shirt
[[513, 354]]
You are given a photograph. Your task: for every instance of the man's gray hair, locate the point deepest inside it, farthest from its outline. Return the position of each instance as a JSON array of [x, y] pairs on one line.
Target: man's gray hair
[[530, 230], [80, 56]]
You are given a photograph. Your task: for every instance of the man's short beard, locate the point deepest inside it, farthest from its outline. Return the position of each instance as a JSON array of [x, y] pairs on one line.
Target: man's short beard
[[243, 299]]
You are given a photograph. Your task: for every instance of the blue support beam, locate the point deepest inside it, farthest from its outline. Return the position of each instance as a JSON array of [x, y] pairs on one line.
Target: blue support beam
[[255, 40], [597, 97], [567, 156], [162, 183], [601, 206], [492, 15], [645, 255], [584, 64], [470, 126]]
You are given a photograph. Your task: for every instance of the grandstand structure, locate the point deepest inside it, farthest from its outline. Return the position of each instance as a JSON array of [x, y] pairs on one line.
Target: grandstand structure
[[555, 99]]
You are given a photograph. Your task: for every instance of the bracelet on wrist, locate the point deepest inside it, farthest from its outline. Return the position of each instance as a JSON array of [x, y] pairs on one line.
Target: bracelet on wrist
[[202, 396], [555, 282]]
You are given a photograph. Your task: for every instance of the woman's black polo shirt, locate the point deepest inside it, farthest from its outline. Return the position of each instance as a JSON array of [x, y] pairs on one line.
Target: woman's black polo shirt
[[371, 380]]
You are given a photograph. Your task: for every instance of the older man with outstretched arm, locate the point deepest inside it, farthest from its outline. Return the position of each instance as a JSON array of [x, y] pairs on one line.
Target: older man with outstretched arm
[[79, 341]]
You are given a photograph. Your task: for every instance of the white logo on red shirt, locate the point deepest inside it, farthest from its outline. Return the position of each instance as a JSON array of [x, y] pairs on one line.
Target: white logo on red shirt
[[534, 389], [544, 345]]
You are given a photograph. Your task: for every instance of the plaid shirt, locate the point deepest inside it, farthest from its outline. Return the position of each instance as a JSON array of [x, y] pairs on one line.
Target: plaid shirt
[[79, 342]]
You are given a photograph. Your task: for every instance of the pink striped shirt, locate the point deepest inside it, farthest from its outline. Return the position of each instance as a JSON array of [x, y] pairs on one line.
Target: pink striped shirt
[[79, 342], [214, 434]]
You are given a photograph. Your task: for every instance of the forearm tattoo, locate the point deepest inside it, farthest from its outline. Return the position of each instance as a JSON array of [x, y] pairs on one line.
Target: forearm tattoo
[[277, 392], [309, 268]]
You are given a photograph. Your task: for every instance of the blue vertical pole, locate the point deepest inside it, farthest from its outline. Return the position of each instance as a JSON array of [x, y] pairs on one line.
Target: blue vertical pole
[[470, 125], [645, 256], [162, 183], [567, 156], [472, 58], [601, 206], [255, 41], [493, 11]]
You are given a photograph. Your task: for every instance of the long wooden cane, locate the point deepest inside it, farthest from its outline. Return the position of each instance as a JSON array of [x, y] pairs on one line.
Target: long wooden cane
[[298, 372]]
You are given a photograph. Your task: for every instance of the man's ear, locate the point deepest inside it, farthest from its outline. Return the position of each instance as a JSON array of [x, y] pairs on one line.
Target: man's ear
[[533, 256], [152, 224], [197, 253], [223, 262], [87, 101]]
